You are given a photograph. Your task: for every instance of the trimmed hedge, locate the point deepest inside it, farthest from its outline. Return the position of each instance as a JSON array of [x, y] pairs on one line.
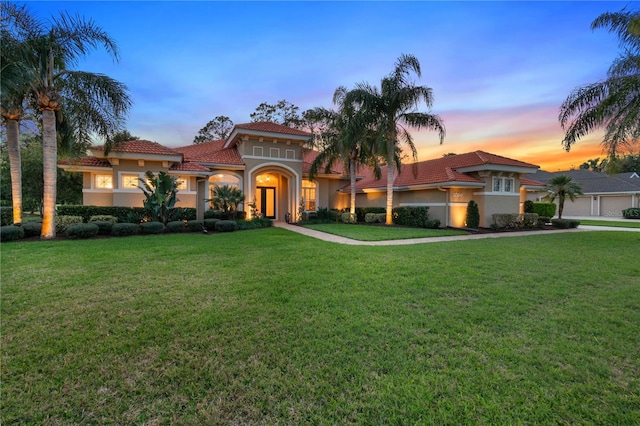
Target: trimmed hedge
[[6, 216], [375, 217], [151, 228], [195, 225], [361, 212], [175, 226], [217, 214], [31, 228], [11, 233], [255, 223], [631, 213], [432, 224], [63, 221], [124, 229], [104, 227], [411, 216], [347, 217], [565, 223], [226, 226], [82, 230], [103, 218], [123, 214], [210, 224], [545, 209], [527, 206]]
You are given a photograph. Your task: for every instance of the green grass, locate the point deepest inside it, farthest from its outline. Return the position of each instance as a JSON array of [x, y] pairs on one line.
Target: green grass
[[616, 224], [271, 327], [380, 232]]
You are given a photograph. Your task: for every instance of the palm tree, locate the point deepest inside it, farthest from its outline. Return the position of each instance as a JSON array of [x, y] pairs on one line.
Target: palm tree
[[612, 104], [561, 187], [16, 26], [92, 102], [394, 107], [226, 198], [344, 139]]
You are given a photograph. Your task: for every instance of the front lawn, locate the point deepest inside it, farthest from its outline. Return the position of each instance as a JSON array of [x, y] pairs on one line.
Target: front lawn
[[629, 223], [272, 327], [381, 232]]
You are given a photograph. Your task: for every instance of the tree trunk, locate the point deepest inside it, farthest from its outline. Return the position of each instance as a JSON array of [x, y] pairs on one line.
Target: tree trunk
[[50, 173], [390, 178], [352, 172], [13, 148], [560, 207]]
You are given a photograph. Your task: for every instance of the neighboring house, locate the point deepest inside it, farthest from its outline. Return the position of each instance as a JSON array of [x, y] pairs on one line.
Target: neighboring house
[[604, 195], [269, 164]]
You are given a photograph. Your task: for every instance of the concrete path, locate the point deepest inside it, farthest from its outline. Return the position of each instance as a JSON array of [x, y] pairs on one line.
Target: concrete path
[[342, 240]]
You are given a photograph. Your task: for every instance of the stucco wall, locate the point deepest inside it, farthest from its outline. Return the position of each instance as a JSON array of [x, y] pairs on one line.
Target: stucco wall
[[497, 204]]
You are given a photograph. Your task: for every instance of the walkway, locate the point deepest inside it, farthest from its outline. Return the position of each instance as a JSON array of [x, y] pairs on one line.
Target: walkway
[[342, 240]]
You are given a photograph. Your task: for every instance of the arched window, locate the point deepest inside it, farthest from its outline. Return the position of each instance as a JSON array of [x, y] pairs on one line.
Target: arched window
[[221, 179], [309, 195]]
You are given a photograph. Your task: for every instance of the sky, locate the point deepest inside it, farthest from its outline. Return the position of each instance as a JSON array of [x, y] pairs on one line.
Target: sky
[[499, 71]]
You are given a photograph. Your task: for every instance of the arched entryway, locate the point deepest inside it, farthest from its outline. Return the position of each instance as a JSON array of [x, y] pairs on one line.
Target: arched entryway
[[275, 189]]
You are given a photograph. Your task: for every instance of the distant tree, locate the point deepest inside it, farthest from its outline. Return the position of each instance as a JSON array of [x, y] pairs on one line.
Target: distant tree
[[218, 128], [283, 112], [594, 164], [123, 136], [562, 187], [614, 103], [449, 154]]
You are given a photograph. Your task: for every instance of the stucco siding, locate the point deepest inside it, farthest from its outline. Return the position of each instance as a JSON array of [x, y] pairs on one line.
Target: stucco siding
[[497, 204], [95, 198]]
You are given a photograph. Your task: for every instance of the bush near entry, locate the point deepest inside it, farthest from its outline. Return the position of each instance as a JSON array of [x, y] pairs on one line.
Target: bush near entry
[[544, 209], [631, 213]]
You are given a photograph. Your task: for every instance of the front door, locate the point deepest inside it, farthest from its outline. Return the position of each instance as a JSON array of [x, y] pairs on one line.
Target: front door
[[266, 201]]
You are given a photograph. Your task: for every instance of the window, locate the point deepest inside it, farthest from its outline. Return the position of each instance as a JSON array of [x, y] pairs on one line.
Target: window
[[309, 195], [104, 182], [181, 184], [130, 181], [503, 184]]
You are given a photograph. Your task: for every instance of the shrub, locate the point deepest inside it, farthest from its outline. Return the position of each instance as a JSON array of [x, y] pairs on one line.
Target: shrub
[[151, 228], [102, 218], [11, 233], [82, 230], [473, 215], [324, 214], [123, 214], [631, 213], [504, 220], [544, 209], [262, 222], [226, 226], [543, 220], [195, 225], [6, 216], [244, 224], [527, 206], [104, 226], [561, 223], [432, 224], [124, 229], [210, 224], [219, 214], [347, 217], [63, 221], [361, 212], [182, 213], [175, 226], [411, 216], [528, 220], [374, 217], [32, 228]]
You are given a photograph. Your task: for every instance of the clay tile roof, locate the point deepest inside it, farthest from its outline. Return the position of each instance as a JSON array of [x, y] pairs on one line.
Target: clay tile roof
[[211, 152], [86, 162], [141, 147], [264, 126], [439, 171], [308, 158], [530, 182], [189, 167]]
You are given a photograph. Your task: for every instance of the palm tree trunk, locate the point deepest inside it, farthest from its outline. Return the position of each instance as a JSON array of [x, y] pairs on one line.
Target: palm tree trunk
[[13, 147], [352, 172], [560, 207], [50, 173], [390, 178]]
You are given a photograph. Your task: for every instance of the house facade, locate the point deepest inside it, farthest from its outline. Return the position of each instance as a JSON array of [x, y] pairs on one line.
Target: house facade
[[604, 195], [270, 164]]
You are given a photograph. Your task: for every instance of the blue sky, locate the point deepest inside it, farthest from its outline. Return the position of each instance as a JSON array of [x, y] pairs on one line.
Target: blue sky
[[499, 70]]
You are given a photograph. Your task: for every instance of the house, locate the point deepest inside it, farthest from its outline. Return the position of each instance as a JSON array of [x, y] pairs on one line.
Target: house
[[270, 164], [604, 195]]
